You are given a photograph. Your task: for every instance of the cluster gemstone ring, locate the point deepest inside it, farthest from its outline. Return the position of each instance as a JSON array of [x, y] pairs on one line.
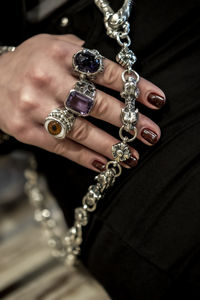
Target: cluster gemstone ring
[[81, 99]]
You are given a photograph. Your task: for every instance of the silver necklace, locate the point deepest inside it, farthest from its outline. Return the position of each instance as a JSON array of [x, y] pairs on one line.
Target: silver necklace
[[67, 246]]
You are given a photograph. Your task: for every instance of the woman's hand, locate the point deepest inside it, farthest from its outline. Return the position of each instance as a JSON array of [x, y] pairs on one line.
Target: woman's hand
[[37, 77]]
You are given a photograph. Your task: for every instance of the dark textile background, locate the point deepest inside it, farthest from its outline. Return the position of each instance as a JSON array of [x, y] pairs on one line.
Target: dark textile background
[[143, 241]]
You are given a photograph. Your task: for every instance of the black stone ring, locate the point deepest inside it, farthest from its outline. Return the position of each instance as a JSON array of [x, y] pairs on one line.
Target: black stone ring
[[87, 63]]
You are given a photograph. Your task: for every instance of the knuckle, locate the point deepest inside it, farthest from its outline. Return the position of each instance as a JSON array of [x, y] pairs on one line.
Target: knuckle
[[26, 102], [39, 76], [101, 106], [80, 133], [58, 50], [112, 74]]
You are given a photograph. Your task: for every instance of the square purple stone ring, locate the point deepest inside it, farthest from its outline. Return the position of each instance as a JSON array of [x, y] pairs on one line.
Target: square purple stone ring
[[87, 63], [81, 99]]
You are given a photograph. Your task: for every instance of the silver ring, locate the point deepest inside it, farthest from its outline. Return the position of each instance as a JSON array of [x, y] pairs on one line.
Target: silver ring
[[81, 99], [59, 122], [88, 63]]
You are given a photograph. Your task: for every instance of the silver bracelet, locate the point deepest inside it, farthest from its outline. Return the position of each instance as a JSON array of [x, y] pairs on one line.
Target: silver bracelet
[[4, 49]]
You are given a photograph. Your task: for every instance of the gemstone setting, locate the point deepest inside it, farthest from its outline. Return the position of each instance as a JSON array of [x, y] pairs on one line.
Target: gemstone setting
[[79, 103], [88, 62], [59, 122], [54, 127]]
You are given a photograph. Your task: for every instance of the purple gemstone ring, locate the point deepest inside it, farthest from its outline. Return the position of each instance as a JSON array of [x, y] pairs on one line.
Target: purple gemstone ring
[[88, 63], [81, 99]]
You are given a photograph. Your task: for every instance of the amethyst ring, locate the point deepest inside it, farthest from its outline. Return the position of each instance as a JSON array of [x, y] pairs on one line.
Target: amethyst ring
[[81, 99]]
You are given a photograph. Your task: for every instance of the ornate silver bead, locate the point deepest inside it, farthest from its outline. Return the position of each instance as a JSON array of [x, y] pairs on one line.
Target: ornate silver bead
[[106, 179], [130, 89], [94, 193], [81, 216], [121, 152], [92, 196], [129, 117], [73, 237], [126, 57]]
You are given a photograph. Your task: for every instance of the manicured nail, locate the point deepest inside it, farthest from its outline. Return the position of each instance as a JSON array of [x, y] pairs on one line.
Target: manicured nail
[[149, 135], [156, 100], [131, 162], [99, 165]]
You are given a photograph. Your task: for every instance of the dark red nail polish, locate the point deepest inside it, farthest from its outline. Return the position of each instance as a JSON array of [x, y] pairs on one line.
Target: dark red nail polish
[[99, 165], [156, 100], [149, 135], [131, 162]]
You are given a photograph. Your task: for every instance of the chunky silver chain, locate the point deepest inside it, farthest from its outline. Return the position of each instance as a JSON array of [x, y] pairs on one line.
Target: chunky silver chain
[[67, 247]]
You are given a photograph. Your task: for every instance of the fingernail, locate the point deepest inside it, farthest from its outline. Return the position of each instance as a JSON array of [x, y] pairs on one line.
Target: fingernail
[[132, 161], [149, 135], [99, 165], [156, 100]]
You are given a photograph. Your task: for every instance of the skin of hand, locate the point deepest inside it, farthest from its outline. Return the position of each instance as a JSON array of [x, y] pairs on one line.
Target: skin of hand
[[37, 77]]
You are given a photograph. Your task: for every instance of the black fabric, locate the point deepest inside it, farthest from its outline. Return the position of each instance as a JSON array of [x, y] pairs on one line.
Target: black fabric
[[143, 241]]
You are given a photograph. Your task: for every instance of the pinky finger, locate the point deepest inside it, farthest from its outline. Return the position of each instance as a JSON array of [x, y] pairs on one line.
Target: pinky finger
[[67, 148]]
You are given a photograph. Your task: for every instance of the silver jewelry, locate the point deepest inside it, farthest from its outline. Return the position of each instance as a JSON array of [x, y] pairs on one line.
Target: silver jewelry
[[67, 247], [59, 122], [81, 99], [4, 49], [87, 63]]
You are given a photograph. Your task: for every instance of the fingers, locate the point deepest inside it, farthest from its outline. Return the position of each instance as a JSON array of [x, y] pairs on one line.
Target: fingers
[[66, 148], [108, 108], [73, 150], [112, 78], [90, 136], [150, 95]]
